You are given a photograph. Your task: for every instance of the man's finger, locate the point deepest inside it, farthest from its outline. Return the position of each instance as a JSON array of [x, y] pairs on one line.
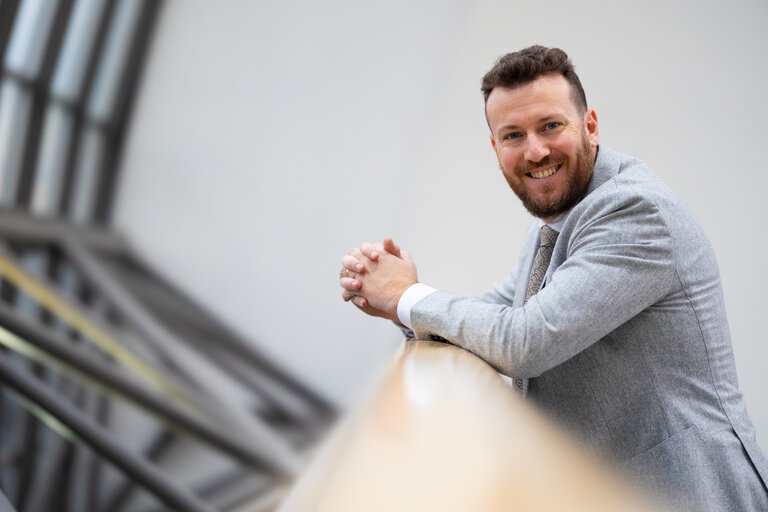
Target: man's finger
[[349, 296], [391, 247], [352, 264], [369, 250], [349, 283]]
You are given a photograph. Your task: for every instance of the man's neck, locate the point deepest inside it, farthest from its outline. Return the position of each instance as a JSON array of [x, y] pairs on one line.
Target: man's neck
[[555, 222]]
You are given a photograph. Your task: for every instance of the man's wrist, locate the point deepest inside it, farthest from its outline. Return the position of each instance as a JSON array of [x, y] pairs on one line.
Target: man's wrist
[[409, 298]]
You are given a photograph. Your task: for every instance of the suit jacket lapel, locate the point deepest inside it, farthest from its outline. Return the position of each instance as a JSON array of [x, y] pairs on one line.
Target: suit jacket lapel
[[607, 165]]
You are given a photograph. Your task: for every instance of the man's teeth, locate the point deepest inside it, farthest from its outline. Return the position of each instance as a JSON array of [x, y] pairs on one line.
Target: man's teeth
[[545, 173]]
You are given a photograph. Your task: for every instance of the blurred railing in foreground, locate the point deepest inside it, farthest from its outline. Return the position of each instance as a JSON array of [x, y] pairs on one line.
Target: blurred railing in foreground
[[444, 432]]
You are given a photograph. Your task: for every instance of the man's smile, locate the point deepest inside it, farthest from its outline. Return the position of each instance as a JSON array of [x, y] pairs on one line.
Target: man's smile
[[544, 173]]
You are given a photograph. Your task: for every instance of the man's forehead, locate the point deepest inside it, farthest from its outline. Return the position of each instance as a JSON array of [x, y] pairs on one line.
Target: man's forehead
[[548, 87], [546, 96]]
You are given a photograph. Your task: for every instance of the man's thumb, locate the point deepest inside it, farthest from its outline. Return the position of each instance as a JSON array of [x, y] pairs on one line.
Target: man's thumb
[[390, 247]]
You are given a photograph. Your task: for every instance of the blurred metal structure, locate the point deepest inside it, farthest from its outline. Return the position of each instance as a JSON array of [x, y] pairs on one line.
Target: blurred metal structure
[[117, 392]]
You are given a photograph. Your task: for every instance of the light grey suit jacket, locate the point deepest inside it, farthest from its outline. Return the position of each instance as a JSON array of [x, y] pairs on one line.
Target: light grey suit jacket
[[627, 343]]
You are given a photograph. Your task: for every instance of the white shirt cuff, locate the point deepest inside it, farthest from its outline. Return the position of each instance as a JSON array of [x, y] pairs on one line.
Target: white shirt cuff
[[412, 295]]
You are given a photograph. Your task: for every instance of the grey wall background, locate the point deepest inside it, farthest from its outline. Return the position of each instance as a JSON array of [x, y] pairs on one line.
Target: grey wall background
[[285, 132]]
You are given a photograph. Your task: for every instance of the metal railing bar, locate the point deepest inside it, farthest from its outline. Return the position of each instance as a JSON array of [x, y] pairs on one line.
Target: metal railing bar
[[16, 225], [225, 404], [218, 490], [15, 438], [30, 449], [75, 475], [23, 448], [268, 502], [244, 491], [276, 405], [234, 489], [44, 480], [243, 349], [208, 347], [103, 411], [281, 400], [194, 366], [205, 336], [7, 453], [100, 441], [34, 435], [90, 369], [61, 491], [158, 447], [41, 291]]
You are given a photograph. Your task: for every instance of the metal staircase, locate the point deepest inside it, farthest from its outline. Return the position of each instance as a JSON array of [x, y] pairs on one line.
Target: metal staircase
[[117, 392]]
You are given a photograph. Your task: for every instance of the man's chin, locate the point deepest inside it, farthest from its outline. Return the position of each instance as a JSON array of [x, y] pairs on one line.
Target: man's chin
[[546, 214], [546, 209]]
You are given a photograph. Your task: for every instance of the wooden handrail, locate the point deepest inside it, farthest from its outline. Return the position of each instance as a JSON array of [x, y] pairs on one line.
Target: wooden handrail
[[444, 432]]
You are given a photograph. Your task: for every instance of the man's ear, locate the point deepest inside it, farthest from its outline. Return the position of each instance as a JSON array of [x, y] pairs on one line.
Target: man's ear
[[590, 123], [495, 150]]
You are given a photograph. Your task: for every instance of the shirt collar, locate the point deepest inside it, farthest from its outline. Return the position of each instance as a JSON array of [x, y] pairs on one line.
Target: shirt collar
[[557, 223]]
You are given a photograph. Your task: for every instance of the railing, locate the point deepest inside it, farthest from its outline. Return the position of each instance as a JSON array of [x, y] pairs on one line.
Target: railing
[[119, 393], [445, 432]]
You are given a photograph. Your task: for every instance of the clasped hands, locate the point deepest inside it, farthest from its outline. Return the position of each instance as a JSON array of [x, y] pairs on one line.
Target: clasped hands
[[374, 276]]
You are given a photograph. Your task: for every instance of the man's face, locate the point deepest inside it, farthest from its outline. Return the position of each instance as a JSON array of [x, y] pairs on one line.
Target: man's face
[[545, 147]]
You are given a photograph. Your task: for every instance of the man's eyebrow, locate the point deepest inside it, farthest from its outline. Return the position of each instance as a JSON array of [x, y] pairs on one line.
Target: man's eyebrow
[[550, 117], [506, 128], [544, 119]]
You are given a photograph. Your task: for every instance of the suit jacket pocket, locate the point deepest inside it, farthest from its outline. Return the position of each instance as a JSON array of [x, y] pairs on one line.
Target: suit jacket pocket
[[672, 470]]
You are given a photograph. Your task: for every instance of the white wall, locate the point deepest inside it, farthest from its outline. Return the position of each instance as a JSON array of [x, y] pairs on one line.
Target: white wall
[[271, 136]]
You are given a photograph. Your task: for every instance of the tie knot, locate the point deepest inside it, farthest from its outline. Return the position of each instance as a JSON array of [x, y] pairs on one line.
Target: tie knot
[[548, 236]]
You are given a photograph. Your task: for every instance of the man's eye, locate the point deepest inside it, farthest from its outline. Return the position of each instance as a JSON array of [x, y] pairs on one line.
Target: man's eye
[[513, 135], [552, 125]]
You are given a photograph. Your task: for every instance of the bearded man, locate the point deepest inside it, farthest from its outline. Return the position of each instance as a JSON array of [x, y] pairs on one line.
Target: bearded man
[[613, 320]]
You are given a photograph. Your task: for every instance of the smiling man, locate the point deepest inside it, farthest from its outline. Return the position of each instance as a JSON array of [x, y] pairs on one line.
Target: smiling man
[[546, 147], [613, 320]]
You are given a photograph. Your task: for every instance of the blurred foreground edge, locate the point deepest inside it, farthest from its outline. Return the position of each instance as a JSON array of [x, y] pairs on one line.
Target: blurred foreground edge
[[444, 432]]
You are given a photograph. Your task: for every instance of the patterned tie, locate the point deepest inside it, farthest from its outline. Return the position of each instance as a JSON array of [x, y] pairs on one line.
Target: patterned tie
[[547, 237]]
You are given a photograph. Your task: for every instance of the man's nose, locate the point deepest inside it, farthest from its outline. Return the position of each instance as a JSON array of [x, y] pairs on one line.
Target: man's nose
[[535, 149]]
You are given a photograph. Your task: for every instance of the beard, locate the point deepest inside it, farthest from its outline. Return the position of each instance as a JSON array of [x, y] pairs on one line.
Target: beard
[[551, 205]]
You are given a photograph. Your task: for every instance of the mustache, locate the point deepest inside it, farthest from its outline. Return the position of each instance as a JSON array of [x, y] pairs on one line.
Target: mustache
[[552, 159]]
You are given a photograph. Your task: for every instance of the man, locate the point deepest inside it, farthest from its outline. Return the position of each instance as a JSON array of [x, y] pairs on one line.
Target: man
[[613, 320]]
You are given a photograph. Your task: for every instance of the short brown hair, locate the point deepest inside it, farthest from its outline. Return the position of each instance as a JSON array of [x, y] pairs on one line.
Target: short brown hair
[[523, 67]]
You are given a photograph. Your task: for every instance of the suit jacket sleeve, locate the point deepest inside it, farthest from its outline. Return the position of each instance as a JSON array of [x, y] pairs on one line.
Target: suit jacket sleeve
[[617, 259]]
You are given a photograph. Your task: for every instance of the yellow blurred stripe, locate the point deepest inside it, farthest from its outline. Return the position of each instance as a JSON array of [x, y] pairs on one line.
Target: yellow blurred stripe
[[48, 419], [60, 308]]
